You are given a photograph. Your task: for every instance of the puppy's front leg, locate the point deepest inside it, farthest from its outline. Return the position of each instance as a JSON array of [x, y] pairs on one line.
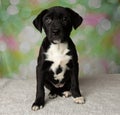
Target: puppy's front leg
[[75, 85], [40, 94]]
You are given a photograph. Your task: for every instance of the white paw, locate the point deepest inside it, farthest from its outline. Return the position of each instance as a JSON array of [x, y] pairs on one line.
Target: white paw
[[79, 100], [52, 96], [66, 94], [35, 107]]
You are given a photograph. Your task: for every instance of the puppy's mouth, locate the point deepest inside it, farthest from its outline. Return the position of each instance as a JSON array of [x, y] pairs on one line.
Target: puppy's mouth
[[56, 39]]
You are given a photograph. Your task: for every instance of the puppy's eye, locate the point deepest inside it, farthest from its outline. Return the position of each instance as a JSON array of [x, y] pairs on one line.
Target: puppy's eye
[[48, 20]]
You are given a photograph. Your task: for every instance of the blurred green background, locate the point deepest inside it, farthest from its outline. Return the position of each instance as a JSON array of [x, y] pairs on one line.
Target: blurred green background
[[97, 39]]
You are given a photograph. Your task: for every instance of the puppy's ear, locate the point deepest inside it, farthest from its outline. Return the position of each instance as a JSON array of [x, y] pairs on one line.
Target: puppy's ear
[[37, 22], [75, 18]]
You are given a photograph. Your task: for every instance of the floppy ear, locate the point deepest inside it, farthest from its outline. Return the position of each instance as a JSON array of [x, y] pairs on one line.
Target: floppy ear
[[37, 22], [75, 18]]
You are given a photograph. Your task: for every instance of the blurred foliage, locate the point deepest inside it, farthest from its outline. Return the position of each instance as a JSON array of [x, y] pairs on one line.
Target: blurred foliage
[[97, 37]]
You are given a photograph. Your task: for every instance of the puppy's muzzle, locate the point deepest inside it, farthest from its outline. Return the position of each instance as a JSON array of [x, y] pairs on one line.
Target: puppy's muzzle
[[56, 35], [56, 31]]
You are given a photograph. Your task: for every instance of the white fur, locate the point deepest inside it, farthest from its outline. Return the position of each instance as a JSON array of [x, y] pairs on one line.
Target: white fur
[[79, 100], [35, 108], [52, 96], [66, 94], [57, 54]]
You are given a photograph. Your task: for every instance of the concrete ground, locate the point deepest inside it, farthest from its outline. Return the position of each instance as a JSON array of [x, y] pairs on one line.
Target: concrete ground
[[102, 94]]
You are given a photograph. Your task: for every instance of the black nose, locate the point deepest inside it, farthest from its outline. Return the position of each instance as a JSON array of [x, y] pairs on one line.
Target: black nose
[[55, 31]]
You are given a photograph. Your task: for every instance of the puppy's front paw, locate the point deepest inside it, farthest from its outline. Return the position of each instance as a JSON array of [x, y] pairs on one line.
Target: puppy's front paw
[[36, 106], [79, 100]]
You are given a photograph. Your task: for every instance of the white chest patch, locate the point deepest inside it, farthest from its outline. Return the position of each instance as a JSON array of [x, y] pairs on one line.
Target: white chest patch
[[57, 53]]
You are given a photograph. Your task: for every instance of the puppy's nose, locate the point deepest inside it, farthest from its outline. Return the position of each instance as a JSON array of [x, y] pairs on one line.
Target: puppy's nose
[[56, 31]]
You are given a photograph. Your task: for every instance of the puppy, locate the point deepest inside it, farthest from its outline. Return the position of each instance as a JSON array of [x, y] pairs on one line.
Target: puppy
[[57, 66]]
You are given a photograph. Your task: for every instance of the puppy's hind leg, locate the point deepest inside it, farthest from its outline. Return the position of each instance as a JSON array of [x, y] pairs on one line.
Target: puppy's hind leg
[[52, 95], [66, 94], [66, 90], [53, 92]]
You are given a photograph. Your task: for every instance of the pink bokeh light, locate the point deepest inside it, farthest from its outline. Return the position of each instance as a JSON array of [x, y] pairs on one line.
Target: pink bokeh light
[[10, 42], [93, 19]]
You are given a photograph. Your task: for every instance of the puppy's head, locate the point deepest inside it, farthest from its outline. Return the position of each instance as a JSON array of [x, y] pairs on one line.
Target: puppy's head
[[57, 23]]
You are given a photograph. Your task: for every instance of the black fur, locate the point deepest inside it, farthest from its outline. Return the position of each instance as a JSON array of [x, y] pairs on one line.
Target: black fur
[[57, 23]]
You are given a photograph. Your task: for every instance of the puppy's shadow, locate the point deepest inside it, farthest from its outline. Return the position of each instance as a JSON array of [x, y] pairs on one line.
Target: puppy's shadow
[[92, 84]]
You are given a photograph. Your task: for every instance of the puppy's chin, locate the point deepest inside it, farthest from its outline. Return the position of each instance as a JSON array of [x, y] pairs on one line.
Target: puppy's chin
[[56, 41]]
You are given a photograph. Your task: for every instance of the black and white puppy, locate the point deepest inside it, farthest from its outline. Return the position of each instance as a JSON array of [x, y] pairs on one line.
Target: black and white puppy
[[57, 66]]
